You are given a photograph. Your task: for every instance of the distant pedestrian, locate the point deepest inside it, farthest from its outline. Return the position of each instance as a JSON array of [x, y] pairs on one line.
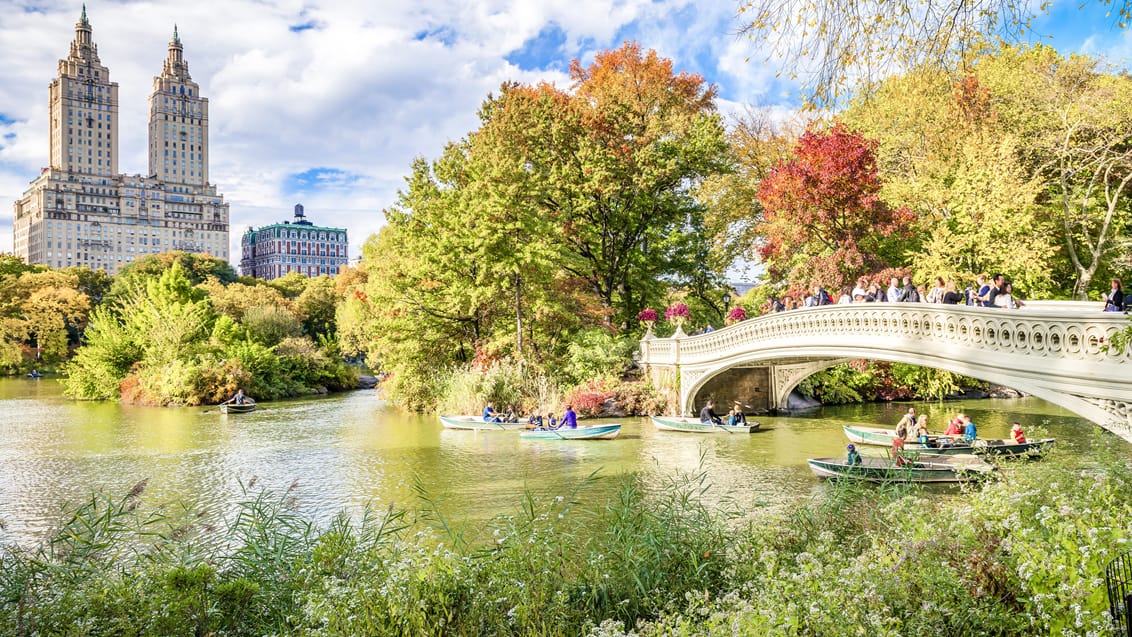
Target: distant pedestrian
[[1114, 301]]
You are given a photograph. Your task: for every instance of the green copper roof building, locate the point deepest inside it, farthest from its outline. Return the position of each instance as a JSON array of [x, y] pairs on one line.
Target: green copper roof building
[[293, 246]]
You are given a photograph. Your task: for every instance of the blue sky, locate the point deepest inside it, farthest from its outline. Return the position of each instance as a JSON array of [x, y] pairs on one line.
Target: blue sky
[[327, 104]]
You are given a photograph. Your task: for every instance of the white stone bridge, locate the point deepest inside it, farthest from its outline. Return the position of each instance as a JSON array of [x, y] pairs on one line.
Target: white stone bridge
[[1053, 350]]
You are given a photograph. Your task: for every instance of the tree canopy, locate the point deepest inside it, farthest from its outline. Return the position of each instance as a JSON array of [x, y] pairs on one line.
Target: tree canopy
[[837, 48]]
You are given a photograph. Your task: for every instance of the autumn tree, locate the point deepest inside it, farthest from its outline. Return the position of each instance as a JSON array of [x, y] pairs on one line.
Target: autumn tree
[[944, 153], [824, 221], [625, 151], [757, 143]]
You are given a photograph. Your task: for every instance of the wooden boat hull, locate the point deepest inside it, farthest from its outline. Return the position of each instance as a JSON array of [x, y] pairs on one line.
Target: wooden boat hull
[[871, 469], [237, 409], [476, 423], [593, 432], [942, 445], [693, 425]]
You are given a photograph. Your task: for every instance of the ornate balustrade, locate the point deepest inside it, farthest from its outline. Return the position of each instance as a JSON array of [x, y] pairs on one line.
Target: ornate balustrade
[[1052, 350]]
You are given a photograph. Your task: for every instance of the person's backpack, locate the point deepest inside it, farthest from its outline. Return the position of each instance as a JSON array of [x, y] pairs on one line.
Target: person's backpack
[[825, 299]]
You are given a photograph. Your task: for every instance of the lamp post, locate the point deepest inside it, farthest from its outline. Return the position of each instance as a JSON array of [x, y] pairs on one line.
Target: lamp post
[[726, 302]]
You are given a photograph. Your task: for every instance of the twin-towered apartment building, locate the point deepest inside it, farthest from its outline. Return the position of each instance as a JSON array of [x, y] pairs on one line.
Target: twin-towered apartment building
[[81, 212]]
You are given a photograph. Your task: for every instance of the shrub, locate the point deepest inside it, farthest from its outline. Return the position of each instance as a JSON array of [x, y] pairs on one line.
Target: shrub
[[589, 400], [597, 353]]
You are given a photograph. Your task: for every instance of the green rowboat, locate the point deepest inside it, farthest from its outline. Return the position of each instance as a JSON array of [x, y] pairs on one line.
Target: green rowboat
[[874, 469], [476, 423], [944, 445], [693, 425]]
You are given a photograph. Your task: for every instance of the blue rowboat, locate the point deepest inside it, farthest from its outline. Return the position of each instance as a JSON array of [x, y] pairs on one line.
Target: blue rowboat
[[593, 432]]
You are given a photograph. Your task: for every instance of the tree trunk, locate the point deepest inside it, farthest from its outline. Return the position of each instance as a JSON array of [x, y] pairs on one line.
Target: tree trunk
[[518, 316]]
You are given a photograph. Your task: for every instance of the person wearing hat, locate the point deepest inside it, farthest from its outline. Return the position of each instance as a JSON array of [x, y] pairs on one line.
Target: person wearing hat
[[853, 458]]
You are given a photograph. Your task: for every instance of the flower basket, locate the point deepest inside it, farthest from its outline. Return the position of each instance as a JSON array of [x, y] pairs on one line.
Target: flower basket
[[648, 317], [677, 314], [735, 315]]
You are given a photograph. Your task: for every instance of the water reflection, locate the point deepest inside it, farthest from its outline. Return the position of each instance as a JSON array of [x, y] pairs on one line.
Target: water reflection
[[352, 449]]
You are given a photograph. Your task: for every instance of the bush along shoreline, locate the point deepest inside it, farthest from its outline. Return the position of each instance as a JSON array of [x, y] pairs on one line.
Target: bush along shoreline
[[165, 340], [1020, 556]]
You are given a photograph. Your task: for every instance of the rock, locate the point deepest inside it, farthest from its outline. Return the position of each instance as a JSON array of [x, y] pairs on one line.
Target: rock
[[798, 402], [367, 382], [998, 391]]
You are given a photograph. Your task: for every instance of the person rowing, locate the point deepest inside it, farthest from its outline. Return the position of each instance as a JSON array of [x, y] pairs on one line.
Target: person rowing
[[239, 398], [707, 414]]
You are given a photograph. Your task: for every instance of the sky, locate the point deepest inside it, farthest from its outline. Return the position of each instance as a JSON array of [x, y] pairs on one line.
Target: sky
[[326, 103]]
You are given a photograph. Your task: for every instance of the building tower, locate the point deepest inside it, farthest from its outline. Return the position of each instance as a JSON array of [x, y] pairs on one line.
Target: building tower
[[80, 211], [178, 123], [84, 110]]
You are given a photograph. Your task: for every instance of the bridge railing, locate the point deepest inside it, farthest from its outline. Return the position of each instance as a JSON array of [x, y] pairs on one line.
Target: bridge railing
[[1058, 330]]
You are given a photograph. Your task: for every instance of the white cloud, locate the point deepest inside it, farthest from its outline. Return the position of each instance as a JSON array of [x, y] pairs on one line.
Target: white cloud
[[355, 88]]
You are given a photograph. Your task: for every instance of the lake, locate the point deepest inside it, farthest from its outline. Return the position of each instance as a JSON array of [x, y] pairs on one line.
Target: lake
[[346, 450]]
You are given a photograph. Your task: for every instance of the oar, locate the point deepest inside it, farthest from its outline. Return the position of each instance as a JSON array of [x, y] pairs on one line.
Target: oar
[[720, 425]]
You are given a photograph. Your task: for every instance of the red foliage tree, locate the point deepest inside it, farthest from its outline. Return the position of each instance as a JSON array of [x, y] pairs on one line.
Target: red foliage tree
[[823, 219]]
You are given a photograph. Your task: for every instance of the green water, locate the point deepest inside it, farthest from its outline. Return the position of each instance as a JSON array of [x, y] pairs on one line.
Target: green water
[[344, 451]]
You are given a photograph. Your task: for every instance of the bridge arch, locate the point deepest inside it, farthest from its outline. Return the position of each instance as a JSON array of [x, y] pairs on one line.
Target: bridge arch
[[1053, 351]]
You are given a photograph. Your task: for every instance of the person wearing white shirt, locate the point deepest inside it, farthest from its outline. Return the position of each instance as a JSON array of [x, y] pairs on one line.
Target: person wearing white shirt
[[893, 290]]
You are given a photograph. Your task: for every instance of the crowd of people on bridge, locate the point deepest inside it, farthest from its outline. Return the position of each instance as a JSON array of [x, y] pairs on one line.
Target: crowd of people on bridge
[[986, 292]]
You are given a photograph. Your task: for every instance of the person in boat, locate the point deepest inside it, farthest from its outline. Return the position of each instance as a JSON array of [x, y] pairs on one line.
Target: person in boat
[[852, 458], [551, 421], [970, 432], [534, 421], [954, 428], [740, 417], [1019, 435], [239, 398], [707, 414], [489, 413], [511, 415], [907, 422], [569, 419], [898, 452], [922, 429]]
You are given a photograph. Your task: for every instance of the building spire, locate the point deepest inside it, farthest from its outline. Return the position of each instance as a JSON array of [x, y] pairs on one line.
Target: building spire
[[175, 66], [82, 48]]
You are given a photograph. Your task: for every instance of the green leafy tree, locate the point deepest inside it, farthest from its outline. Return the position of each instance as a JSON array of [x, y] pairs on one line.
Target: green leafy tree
[[944, 153], [1075, 122]]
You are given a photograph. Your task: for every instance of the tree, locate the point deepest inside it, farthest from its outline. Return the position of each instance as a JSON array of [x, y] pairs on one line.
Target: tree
[[316, 306], [840, 46], [823, 219], [1076, 123], [757, 143], [944, 153], [622, 155]]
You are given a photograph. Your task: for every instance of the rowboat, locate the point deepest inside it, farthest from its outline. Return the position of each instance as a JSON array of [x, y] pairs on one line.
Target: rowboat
[[944, 445], [593, 432], [476, 423], [232, 408], [693, 425], [959, 468]]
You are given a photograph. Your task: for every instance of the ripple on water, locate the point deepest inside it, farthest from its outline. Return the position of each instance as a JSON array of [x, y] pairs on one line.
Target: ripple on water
[[350, 450]]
